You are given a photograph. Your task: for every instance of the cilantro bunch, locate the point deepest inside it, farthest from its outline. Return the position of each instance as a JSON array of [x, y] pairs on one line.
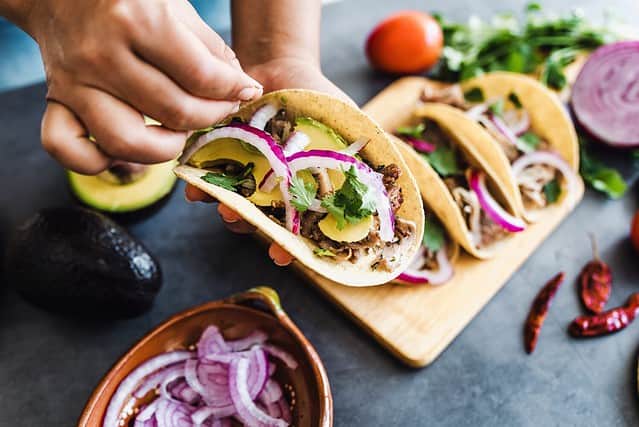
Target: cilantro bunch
[[542, 43]]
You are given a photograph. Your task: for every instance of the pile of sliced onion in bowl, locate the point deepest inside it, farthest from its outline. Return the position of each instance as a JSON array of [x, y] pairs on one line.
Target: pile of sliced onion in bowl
[[217, 382]]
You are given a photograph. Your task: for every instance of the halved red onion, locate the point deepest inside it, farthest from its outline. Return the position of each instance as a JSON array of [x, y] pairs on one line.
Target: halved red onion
[[416, 275], [338, 161], [517, 120], [421, 145], [262, 116], [605, 96], [355, 147], [129, 384], [492, 208], [296, 142], [246, 408], [551, 159]]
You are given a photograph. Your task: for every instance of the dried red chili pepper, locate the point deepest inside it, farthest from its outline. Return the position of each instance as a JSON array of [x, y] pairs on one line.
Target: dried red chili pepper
[[595, 282], [539, 310], [606, 323]]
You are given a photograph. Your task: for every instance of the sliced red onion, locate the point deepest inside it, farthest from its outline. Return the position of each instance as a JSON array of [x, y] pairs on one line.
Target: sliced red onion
[[477, 110], [517, 120], [173, 414], [278, 353], [154, 380], [246, 408], [416, 275], [181, 391], [491, 207], [212, 342], [296, 142], [255, 337], [551, 159], [285, 410], [510, 136], [421, 145], [355, 147], [262, 116], [337, 161], [146, 414], [130, 382], [316, 206], [272, 392], [263, 142]]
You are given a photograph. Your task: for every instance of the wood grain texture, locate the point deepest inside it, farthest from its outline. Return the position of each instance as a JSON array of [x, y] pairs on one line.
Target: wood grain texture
[[417, 323]]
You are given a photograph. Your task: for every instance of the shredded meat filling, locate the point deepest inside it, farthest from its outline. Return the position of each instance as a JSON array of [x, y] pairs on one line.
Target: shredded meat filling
[[449, 94], [391, 174], [280, 127], [532, 181]]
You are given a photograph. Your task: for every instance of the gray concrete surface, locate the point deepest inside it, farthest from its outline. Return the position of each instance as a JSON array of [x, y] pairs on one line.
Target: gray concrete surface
[[49, 364]]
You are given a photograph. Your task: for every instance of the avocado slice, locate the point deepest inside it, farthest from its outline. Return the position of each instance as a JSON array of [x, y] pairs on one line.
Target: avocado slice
[[111, 193], [77, 261]]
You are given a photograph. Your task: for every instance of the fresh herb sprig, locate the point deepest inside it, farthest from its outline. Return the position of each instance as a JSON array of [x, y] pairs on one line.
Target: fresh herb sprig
[[242, 182], [599, 176], [352, 202]]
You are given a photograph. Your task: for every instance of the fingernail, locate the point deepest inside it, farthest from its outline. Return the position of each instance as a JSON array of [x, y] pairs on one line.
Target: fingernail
[[249, 93], [236, 108]]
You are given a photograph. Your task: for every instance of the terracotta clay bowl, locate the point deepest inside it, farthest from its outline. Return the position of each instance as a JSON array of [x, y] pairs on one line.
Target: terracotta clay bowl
[[236, 316]]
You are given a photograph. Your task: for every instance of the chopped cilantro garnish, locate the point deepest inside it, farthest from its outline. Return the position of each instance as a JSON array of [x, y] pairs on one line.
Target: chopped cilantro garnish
[[323, 252], [474, 95], [302, 193], [530, 139], [414, 131], [552, 190], [434, 234], [497, 108], [514, 99], [444, 160], [351, 203], [242, 182]]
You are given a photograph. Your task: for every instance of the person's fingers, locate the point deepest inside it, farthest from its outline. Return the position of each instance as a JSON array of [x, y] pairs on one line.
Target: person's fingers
[[194, 194], [233, 221], [119, 130], [279, 255], [153, 93], [66, 140], [210, 38], [190, 63]]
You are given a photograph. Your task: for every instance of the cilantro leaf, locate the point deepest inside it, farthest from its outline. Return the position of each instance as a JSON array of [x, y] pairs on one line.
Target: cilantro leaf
[[351, 203], [514, 99], [303, 193], [497, 108], [323, 252], [474, 95], [414, 131], [242, 182], [444, 160], [552, 190], [600, 177], [530, 139], [434, 234]]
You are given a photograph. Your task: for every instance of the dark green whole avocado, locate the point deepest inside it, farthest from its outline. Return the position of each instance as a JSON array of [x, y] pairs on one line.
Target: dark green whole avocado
[[75, 261]]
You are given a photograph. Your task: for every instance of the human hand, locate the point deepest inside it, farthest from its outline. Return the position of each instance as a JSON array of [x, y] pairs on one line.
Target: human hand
[[109, 62]]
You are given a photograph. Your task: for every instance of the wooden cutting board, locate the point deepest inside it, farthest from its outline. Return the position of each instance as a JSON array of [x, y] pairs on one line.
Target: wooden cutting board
[[417, 323]]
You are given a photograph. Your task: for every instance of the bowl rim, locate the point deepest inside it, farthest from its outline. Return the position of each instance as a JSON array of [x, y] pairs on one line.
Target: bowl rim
[[266, 295]]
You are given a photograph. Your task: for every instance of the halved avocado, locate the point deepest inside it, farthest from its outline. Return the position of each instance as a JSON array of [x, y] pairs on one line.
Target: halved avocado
[[106, 193]]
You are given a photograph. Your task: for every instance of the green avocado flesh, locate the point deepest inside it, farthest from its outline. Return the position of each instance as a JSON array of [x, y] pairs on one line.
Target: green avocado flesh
[[109, 196], [77, 261], [322, 138]]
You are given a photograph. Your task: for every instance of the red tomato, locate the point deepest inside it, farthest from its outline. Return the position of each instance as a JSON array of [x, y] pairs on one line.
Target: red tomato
[[634, 231], [404, 43]]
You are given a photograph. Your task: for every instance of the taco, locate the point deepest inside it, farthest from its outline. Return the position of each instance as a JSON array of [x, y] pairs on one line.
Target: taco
[[434, 262], [458, 182], [317, 176], [531, 127]]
